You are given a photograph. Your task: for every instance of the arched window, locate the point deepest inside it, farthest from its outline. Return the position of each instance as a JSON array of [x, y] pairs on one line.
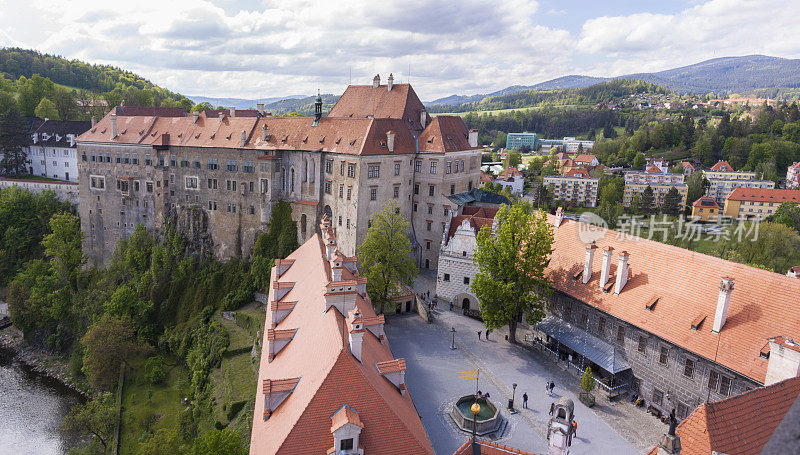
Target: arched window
[[291, 186], [329, 212]]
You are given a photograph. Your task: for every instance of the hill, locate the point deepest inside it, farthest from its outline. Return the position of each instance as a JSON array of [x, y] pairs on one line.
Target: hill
[[241, 103], [759, 74]]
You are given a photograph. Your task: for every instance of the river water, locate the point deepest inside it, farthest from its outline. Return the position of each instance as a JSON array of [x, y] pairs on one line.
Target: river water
[[32, 407]]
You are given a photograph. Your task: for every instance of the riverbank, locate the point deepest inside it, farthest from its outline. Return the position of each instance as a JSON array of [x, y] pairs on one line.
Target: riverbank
[[40, 361]]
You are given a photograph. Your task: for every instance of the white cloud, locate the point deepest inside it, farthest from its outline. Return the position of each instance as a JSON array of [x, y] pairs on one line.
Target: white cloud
[[468, 46]]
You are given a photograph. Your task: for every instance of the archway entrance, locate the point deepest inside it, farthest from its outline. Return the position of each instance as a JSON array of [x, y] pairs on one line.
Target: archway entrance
[[465, 303]]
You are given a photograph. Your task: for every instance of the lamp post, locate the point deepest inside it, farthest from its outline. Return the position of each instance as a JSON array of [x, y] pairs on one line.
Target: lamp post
[[511, 401], [453, 331], [475, 408]]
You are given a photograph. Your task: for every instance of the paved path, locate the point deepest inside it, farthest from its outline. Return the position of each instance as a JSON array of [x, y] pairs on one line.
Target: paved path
[[432, 379]]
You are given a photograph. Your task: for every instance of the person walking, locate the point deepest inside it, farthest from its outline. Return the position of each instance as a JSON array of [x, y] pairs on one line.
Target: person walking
[[479, 334], [451, 306], [552, 386], [525, 400], [547, 388], [552, 408], [575, 428], [487, 334]]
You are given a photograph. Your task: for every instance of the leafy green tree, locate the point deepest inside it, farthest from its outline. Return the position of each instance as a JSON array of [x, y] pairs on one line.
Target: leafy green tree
[[385, 256], [647, 200], [788, 214], [587, 380], [499, 140], [95, 418], [165, 441], [63, 247], [639, 161], [216, 442], [108, 343], [697, 185], [281, 236], [514, 158], [609, 132], [13, 138], [611, 212], [772, 246], [46, 109], [31, 92], [671, 204], [511, 283]]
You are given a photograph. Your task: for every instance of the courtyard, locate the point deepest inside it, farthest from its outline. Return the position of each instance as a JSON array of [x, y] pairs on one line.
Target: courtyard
[[433, 381]]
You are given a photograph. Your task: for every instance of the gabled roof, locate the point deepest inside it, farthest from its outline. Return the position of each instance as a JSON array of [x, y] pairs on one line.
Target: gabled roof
[[56, 132], [578, 172], [445, 133], [366, 101], [775, 195], [343, 416], [653, 170], [762, 304], [705, 201], [738, 425], [721, 165], [302, 422], [584, 158], [478, 217], [149, 111]]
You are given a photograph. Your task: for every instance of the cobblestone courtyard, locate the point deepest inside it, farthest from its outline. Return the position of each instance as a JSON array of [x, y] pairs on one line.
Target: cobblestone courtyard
[[433, 380]]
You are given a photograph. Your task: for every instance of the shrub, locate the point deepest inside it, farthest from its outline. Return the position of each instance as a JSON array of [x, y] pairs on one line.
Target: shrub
[[154, 370], [587, 381], [234, 409]]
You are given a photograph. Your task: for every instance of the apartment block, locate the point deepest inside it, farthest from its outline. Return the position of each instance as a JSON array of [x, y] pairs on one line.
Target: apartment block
[[750, 203], [660, 190], [576, 187]]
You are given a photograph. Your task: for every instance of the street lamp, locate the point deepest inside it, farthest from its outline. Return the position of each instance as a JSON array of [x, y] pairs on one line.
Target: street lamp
[[453, 331], [511, 401]]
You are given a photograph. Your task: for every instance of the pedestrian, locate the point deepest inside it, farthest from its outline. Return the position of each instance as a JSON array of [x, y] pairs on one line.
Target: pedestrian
[[429, 293], [552, 386], [525, 400], [547, 388], [451, 306], [487, 334], [552, 408], [575, 428], [479, 334]]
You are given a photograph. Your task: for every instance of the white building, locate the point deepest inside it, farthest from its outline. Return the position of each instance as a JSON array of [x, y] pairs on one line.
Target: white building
[[513, 179], [53, 151], [793, 176], [571, 145], [456, 269]]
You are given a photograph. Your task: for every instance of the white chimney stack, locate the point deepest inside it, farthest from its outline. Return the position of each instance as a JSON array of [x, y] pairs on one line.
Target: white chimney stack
[[232, 111], [221, 115], [794, 272], [390, 141], [622, 272], [587, 264], [473, 138], [356, 336], [606, 270], [723, 301], [390, 82], [784, 360], [94, 121], [113, 125], [376, 81], [195, 116], [244, 139], [423, 117], [264, 132], [260, 108]]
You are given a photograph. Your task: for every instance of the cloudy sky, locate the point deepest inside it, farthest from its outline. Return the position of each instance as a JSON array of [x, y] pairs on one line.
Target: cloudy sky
[[252, 49]]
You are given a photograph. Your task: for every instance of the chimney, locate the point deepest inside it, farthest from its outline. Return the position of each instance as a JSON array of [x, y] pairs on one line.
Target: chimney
[[35, 137], [264, 132], [221, 115], [94, 121], [232, 112], [606, 270], [423, 117], [794, 272], [260, 108], [559, 217], [356, 335], [473, 138], [113, 125], [195, 116], [244, 138], [724, 299], [587, 265], [390, 141], [376, 81], [390, 82], [622, 272], [784, 360]]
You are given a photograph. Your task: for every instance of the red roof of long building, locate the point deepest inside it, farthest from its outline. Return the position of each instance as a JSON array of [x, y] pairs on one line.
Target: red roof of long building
[[764, 195], [366, 101], [445, 133]]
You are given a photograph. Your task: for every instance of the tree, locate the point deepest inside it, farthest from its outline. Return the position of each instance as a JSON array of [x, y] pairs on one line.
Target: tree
[[788, 214], [514, 158], [511, 283], [771, 246], [609, 132], [13, 137], [611, 212], [639, 161], [108, 343], [385, 255], [671, 204], [46, 109], [96, 417], [499, 140], [697, 186], [587, 380], [215, 442], [648, 200], [281, 236], [163, 442], [63, 246]]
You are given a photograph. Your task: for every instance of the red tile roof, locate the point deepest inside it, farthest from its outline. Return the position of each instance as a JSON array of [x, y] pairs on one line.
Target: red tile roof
[[366, 101], [343, 416], [587, 159], [391, 366], [738, 425], [721, 165], [489, 448], [762, 305], [579, 172], [335, 377], [478, 217], [653, 170], [445, 133], [705, 201], [764, 195]]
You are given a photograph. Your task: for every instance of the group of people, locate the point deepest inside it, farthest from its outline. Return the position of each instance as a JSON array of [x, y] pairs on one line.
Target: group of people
[[480, 332], [432, 304]]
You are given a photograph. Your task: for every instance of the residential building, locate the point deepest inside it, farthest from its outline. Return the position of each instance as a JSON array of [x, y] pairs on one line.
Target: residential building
[[688, 168], [659, 164], [456, 270], [793, 176], [674, 327], [574, 146], [653, 176], [748, 203], [705, 209], [53, 151], [723, 179], [742, 424], [517, 141], [586, 161], [352, 398], [484, 179], [223, 170], [576, 187], [660, 190], [512, 179]]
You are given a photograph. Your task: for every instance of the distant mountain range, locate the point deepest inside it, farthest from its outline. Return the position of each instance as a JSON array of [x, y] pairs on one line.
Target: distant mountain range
[[240, 103], [720, 75]]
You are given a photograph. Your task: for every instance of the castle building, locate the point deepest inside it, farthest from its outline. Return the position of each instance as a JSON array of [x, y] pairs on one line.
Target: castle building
[[352, 398], [53, 151], [219, 173]]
